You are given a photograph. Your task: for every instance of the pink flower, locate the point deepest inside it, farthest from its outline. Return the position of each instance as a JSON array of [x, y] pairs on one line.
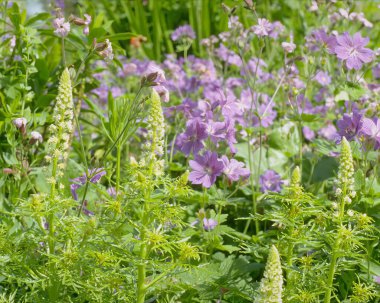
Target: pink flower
[[62, 28], [87, 21], [352, 50], [263, 27], [288, 47], [234, 170]]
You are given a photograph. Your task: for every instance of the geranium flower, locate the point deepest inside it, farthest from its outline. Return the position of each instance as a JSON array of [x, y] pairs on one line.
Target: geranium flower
[[209, 224], [350, 125], [270, 181], [205, 169], [371, 130], [192, 140], [352, 50], [263, 27], [322, 78], [234, 170], [62, 28], [94, 174]]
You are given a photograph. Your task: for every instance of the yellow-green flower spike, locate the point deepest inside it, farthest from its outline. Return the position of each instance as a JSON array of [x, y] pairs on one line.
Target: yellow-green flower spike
[[62, 127], [346, 169], [270, 290], [154, 145], [296, 177]]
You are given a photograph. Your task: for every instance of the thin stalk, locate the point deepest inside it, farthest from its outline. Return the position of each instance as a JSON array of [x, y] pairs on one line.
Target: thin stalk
[[141, 271], [63, 52], [123, 130], [84, 196], [335, 250], [300, 154], [330, 278], [118, 161]]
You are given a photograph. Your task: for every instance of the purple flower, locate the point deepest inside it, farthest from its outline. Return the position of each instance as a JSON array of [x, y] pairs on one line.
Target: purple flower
[[228, 56], [87, 21], [205, 169], [270, 181], [329, 132], [320, 40], [376, 279], [35, 137], [323, 78], [20, 124], [234, 170], [162, 92], [112, 192], [288, 47], [277, 28], [376, 71], [352, 50], [183, 32], [308, 133], [371, 130], [263, 27], [209, 224], [94, 176], [153, 68], [350, 125], [62, 28], [192, 140]]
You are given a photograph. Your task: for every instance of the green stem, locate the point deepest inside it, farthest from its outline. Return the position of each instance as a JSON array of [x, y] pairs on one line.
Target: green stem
[[300, 147], [330, 278], [118, 160], [63, 52], [84, 196], [335, 250], [141, 271]]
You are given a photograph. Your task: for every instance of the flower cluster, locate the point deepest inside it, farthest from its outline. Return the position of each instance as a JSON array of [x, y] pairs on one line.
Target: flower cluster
[[346, 173], [183, 32], [153, 147], [62, 128], [207, 167], [356, 126], [270, 290]]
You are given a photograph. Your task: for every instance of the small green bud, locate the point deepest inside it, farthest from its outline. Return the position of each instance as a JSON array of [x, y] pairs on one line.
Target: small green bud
[[296, 177]]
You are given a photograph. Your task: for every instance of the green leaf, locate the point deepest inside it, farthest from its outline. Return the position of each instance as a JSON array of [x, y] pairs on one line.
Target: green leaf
[[341, 96], [45, 100], [38, 17], [355, 91], [359, 179], [97, 33], [325, 168]]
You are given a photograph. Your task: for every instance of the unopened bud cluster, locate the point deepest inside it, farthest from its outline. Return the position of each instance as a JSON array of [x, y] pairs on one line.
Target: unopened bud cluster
[[270, 290], [62, 128], [346, 173], [154, 145]]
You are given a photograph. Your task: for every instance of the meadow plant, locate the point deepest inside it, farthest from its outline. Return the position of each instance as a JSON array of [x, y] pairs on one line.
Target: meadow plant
[[244, 167]]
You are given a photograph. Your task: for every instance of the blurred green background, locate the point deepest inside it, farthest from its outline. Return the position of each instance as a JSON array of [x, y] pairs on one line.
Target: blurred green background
[[156, 19]]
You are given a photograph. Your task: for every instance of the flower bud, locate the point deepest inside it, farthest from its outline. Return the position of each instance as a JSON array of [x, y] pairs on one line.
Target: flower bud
[[35, 137], [20, 124]]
